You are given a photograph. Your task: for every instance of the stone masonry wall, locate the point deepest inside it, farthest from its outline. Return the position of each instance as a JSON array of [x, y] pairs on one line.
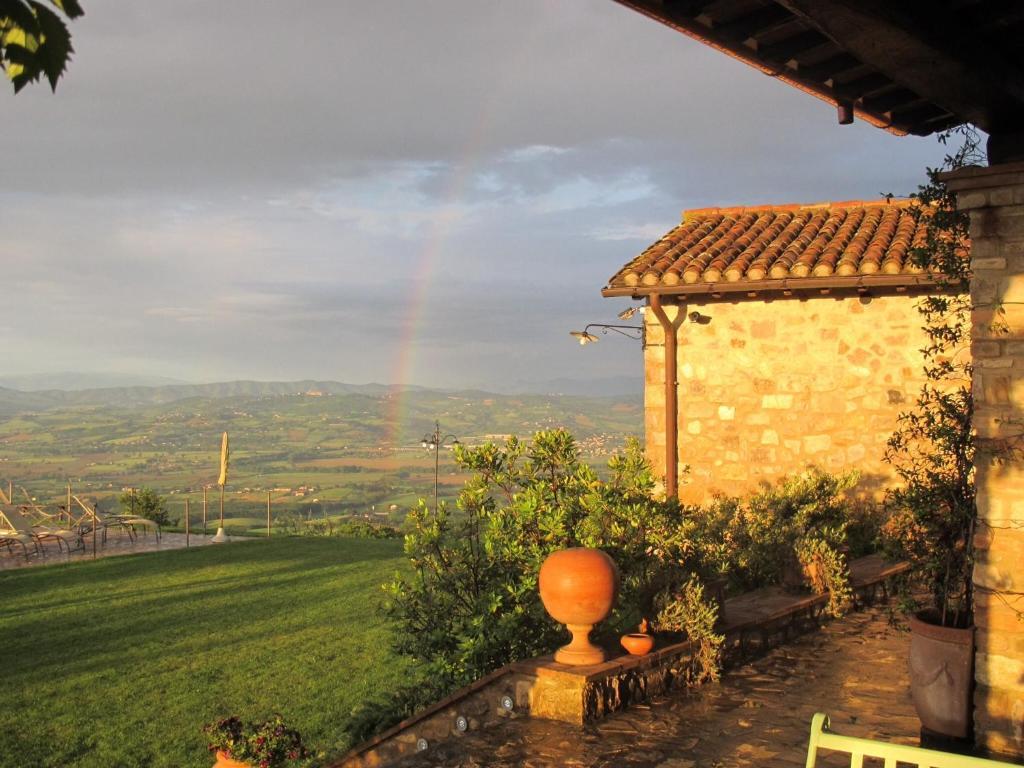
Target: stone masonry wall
[[768, 388], [994, 197]]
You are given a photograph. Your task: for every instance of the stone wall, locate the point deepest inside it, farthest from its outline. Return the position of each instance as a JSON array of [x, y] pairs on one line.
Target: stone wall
[[994, 197], [770, 387]]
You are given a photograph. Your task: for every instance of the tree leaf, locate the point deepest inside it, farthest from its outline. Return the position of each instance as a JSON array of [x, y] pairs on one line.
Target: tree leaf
[[55, 50], [71, 8], [19, 13]]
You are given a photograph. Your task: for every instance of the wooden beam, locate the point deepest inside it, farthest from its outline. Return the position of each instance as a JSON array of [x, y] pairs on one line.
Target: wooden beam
[[931, 57], [830, 67], [897, 97], [866, 84], [923, 113], [757, 22], [793, 46]]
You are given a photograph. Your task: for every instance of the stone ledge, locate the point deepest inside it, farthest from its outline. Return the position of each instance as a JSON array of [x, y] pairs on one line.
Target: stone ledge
[[543, 688]]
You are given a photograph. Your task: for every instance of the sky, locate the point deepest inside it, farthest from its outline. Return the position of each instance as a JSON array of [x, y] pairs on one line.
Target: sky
[[426, 193]]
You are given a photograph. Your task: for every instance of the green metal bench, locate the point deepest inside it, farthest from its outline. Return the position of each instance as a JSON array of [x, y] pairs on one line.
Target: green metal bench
[[891, 754]]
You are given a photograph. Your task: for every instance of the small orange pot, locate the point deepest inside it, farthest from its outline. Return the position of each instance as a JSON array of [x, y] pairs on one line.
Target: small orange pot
[[225, 761], [638, 644]]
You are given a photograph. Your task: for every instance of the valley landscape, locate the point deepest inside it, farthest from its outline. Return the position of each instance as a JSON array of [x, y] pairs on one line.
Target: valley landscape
[[320, 449]]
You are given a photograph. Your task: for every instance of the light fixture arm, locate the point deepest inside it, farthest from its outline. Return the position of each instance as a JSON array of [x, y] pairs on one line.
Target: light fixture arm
[[635, 332], [435, 441]]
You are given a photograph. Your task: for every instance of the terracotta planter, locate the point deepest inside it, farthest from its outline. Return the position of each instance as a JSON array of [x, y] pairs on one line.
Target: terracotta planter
[[223, 761], [638, 644], [578, 588], [941, 675]]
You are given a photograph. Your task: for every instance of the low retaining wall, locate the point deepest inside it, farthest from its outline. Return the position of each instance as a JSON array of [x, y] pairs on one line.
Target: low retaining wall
[[541, 687]]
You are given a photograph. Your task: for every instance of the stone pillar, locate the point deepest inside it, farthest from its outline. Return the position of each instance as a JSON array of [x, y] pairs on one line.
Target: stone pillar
[[994, 197]]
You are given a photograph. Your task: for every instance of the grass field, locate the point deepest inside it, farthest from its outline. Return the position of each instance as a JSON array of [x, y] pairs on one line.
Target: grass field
[[119, 662]]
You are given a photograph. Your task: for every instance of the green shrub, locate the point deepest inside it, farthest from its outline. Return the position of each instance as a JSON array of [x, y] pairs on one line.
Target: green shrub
[[472, 603], [799, 522], [801, 515], [687, 610], [147, 503], [360, 529], [826, 568]]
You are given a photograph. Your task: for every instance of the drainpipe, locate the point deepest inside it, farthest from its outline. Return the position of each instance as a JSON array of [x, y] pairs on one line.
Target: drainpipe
[[671, 403]]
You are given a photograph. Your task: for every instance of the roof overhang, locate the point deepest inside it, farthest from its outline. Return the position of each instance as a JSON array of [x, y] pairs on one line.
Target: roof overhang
[[916, 66], [795, 286]]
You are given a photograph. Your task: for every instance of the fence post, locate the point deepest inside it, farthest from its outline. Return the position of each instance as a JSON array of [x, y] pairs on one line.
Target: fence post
[[188, 513]]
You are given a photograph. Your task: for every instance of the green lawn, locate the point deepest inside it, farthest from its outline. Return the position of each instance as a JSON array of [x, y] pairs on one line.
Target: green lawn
[[119, 662]]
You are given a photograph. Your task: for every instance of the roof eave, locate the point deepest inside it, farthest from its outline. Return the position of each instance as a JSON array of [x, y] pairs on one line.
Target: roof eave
[[802, 284]]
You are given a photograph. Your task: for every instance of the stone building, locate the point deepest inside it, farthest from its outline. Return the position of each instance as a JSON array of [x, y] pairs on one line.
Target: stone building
[[797, 341], [921, 68]]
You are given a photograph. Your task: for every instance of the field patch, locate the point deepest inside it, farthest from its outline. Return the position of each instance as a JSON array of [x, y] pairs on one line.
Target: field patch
[[121, 661]]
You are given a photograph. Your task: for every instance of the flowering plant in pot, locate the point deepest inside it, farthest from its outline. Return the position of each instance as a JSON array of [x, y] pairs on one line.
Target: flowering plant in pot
[[269, 744]]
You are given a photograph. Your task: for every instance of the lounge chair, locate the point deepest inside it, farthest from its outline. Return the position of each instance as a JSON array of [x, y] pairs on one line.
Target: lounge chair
[[103, 523], [91, 518], [9, 538], [13, 520], [136, 522]]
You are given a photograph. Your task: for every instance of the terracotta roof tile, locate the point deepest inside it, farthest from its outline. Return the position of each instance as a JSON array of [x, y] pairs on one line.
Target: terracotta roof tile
[[732, 248]]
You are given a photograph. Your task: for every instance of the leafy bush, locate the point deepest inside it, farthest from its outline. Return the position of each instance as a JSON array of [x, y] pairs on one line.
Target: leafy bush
[[147, 503], [824, 566], [800, 517], [296, 525], [687, 610], [472, 603], [360, 529]]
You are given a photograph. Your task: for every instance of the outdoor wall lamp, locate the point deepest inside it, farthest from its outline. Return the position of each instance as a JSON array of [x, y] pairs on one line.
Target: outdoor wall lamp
[[697, 317], [629, 331]]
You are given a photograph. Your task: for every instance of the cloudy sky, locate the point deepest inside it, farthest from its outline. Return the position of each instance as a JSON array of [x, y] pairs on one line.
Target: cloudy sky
[[429, 192]]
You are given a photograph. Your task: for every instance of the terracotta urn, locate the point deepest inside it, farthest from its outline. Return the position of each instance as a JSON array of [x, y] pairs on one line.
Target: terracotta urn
[[225, 761], [578, 588]]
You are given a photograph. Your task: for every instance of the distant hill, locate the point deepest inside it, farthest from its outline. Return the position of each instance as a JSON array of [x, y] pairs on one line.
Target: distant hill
[[72, 381], [16, 401], [603, 386]]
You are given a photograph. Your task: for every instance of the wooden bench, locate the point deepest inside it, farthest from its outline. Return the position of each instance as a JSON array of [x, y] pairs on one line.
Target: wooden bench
[[890, 754]]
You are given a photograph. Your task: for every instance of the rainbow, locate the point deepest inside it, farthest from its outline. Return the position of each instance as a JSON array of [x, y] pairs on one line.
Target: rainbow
[[430, 254], [423, 276]]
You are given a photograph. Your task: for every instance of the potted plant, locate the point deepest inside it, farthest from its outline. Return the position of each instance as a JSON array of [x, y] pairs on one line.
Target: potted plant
[[932, 524], [934, 514], [269, 744]]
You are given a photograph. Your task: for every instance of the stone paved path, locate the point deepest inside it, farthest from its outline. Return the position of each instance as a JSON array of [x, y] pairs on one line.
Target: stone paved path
[[759, 715], [117, 544]]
